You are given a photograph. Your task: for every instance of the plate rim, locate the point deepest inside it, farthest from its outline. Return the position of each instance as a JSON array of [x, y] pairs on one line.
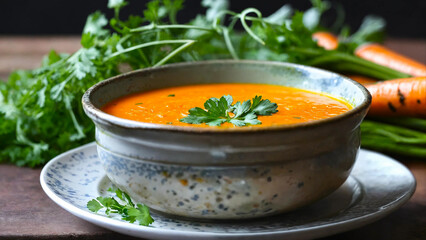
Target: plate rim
[[156, 233]]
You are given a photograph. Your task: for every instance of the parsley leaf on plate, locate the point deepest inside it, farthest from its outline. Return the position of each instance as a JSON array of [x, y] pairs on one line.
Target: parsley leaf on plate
[[219, 111], [127, 209]]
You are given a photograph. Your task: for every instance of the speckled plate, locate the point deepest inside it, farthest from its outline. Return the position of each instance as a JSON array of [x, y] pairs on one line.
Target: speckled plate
[[377, 186]]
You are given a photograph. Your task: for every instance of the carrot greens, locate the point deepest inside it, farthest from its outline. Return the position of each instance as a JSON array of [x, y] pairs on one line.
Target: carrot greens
[[40, 110], [392, 138]]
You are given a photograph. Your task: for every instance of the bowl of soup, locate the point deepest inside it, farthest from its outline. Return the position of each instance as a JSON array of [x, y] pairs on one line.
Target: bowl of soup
[[297, 153]]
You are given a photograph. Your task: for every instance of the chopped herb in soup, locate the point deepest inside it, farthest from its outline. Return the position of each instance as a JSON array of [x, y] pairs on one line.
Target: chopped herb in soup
[[227, 105]]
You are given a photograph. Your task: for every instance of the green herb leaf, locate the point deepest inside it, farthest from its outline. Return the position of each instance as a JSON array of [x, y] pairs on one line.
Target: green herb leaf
[[263, 107], [128, 210], [95, 24], [217, 112], [116, 3], [94, 205], [140, 214]]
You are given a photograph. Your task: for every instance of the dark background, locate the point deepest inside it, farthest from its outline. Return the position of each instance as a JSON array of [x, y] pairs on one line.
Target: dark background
[[405, 18]]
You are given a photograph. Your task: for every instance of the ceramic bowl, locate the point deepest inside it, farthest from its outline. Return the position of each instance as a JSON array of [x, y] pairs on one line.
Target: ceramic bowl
[[240, 173]]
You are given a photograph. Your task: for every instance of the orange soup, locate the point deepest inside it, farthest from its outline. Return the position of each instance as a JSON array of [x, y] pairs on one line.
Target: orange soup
[[169, 105]]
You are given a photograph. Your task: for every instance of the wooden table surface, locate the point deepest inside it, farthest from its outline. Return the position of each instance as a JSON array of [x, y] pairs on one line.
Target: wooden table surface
[[27, 213]]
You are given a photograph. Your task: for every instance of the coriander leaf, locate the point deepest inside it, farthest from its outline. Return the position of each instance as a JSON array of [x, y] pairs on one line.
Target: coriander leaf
[[311, 18], [219, 107], [81, 62], [51, 58], [218, 112], [241, 109], [237, 122], [198, 115], [214, 7], [129, 200], [119, 194], [154, 11], [41, 94], [198, 111], [106, 201], [128, 210], [263, 107], [216, 122], [249, 119], [87, 40], [140, 214], [94, 205], [279, 16], [116, 3], [95, 23], [371, 29]]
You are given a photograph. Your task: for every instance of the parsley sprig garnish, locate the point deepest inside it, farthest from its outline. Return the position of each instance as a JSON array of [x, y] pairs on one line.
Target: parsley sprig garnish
[[219, 111], [128, 210]]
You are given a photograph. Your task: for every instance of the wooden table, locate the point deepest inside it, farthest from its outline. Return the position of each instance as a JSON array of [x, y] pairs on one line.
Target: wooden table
[[27, 213]]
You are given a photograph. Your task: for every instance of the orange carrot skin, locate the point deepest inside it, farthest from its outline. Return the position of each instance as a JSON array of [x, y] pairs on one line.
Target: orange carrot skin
[[378, 54], [399, 97], [363, 80], [326, 40]]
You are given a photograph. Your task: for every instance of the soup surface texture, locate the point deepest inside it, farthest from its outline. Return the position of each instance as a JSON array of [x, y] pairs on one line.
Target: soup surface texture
[[169, 105]]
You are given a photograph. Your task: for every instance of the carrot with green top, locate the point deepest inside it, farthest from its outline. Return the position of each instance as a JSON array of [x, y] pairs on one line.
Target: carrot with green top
[[399, 97], [383, 56], [326, 40]]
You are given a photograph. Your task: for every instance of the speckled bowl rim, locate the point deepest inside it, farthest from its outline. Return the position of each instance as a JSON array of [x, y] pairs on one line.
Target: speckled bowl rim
[[98, 114]]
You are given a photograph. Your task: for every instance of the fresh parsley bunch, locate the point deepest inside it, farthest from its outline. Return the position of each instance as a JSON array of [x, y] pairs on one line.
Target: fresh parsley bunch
[[128, 210], [40, 111], [222, 110], [41, 114]]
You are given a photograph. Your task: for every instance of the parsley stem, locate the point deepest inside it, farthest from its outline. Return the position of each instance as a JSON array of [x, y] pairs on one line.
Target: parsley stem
[[153, 43], [22, 138], [228, 43], [246, 27], [153, 26], [143, 56], [219, 16], [119, 46], [262, 20], [80, 133], [174, 52], [231, 25]]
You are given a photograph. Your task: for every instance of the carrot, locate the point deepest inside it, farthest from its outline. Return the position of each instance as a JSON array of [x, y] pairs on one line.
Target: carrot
[[362, 79], [326, 40], [383, 56], [399, 97]]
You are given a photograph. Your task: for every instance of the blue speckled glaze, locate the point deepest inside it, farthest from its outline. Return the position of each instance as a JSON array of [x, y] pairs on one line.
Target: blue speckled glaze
[[61, 176], [227, 191], [378, 186]]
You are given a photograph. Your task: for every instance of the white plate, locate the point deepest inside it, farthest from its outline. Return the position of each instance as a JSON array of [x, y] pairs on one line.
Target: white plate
[[377, 186]]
